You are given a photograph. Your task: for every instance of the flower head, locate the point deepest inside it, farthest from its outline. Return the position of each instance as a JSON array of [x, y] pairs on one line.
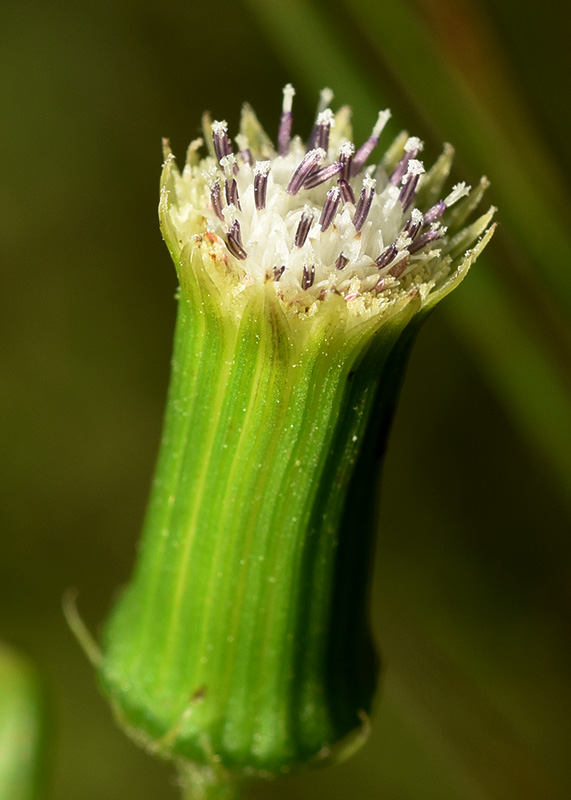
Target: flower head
[[242, 641], [316, 218]]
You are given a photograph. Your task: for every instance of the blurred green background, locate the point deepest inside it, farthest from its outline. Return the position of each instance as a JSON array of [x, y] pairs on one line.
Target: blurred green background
[[471, 599]]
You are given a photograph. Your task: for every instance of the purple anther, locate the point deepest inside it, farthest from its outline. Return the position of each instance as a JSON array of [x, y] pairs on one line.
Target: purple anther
[[278, 272], [364, 203], [216, 198], [322, 175], [284, 133], [400, 169], [330, 207], [414, 224], [231, 192], [246, 155], [433, 214], [303, 229], [324, 123], [408, 191], [347, 193], [424, 238], [222, 145], [410, 181], [341, 262], [325, 97], [235, 241], [308, 277], [387, 256], [310, 162], [367, 148], [412, 148], [346, 152], [397, 270], [261, 172]]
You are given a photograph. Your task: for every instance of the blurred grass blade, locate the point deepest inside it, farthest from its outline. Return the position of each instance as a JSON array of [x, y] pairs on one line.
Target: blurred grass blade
[[470, 740], [21, 728], [527, 385], [528, 370], [527, 183], [311, 46]]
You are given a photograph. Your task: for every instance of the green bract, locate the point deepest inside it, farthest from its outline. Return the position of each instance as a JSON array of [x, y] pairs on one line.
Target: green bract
[[242, 642]]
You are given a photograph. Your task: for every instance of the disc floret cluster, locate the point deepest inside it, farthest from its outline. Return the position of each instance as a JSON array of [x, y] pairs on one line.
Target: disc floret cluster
[[317, 218]]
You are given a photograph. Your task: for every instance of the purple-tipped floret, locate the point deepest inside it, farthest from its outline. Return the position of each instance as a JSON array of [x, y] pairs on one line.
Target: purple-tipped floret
[[308, 277], [235, 241], [303, 229], [364, 203], [310, 162], [322, 175], [216, 199], [387, 256], [330, 208]]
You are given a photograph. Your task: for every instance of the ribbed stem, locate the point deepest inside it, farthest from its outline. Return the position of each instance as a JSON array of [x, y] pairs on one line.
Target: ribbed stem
[[229, 648]]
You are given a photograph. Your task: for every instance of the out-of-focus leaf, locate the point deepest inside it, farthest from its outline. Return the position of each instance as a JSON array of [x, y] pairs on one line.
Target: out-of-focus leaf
[[21, 728]]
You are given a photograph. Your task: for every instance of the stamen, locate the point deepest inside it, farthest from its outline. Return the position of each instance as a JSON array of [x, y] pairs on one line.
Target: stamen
[[278, 272], [458, 191], [228, 164], [410, 181], [330, 207], [346, 152], [367, 148], [310, 162], [413, 145], [322, 175], [325, 98], [412, 148], [303, 228], [347, 193], [341, 261], [284, 133], [261, 172], [414, 224], [389, 254], [222, 145], [231, 192], [364, 203], [325, 122], [433, 214], [428, 236], [216, 198], [308, 277], [235, 241]]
